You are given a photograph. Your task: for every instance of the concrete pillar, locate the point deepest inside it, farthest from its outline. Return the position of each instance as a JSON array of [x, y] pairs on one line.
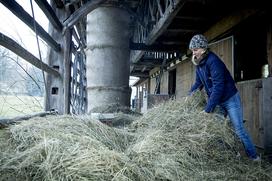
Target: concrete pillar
[[107, 57]]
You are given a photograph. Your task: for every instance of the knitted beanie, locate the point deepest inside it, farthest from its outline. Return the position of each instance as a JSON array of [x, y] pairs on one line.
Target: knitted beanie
[[198, 41]]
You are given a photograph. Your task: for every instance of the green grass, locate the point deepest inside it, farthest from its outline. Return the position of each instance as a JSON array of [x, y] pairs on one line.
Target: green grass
[[12, 106]]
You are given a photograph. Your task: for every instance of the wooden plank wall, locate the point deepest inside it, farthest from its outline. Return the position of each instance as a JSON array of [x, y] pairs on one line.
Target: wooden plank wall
[[251, 95], [257, 102], [164, 83], [267, 114], [224, 49], [152, 81], [152, 85], [185, 77]]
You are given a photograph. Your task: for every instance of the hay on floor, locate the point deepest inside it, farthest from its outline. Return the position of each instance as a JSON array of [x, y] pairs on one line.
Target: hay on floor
[[173, 141]]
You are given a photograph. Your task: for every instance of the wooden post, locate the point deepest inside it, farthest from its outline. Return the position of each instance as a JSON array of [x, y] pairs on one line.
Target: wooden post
[[58, 88], [269, 49], [67, 42]]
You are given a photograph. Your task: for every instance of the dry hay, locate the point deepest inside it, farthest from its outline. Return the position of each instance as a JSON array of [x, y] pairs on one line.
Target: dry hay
[[173, 141], [113, 108], [64, 148], [122, 120]]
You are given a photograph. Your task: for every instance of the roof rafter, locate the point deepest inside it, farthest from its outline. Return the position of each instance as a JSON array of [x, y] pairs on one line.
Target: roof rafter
[[81, 12], [50, 13], [20, 51]]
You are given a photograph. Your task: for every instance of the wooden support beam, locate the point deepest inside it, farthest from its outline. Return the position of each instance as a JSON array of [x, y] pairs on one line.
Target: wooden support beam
[[146, 64], [76, 36], [155, 48], [159, 7], [191, 18], [17, 10], [182, 30], [143, 69], [20, 51], [5, 122], [164, 21], [160, 26], [72, 2], [50, 14], [59, 3], [81, 32], [140, 74], [67, 70], [81, 12]]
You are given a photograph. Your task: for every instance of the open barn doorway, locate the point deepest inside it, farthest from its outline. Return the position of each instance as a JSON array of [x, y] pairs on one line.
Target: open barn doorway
[[250, 49], [172, 83]]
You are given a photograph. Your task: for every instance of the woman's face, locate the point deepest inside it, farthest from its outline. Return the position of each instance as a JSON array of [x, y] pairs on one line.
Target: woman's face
[[197, 52]]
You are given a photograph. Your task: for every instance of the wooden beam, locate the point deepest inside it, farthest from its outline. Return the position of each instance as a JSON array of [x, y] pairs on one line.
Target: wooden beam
[[146, 64], [144, 68], [76, 36], [71, 2], [5, 122], [59, 3], [50, 14], [20, 51], [160, 26], [140, 74], [191, 18], [155, 48], [81, 12], [164, 21], [17, 10], [67, 70], [182, 30], [81, 32]]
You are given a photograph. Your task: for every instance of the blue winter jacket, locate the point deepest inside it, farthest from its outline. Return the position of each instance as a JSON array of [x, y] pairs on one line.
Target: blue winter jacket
[[216, 79]]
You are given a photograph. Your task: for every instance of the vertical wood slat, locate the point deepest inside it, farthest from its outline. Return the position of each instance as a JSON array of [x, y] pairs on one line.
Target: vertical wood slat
[[267, 114], [256, 97], [81, 85], [74, 81], [224, 49], [159, 7], [151, 10], [185, 77], [67, 70], [74, 84], [78, 85], [269, 48], [252, 102]]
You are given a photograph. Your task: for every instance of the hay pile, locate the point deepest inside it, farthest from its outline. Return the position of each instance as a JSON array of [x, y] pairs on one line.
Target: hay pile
[[64, 148], [173, 141]]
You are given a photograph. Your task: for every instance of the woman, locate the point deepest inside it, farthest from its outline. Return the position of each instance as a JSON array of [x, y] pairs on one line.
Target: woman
[[212, 74]]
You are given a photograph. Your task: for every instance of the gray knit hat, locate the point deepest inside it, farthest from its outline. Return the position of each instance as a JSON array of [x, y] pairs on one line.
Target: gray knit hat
[[198, 41]]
